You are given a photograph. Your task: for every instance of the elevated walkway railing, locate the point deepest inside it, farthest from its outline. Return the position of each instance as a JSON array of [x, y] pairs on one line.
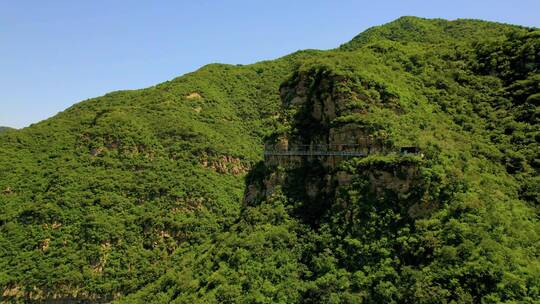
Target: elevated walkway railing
[[313, 153], [343, 150]]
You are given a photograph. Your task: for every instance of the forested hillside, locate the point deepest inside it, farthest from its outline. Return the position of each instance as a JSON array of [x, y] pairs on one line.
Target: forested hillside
[[162, 195], [3, 129]]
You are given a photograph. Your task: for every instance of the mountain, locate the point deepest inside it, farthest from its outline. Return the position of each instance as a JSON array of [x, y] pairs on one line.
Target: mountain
[[3, 129], [163, 195]]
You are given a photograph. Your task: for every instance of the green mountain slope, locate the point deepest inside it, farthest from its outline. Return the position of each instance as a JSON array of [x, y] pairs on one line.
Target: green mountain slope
[[431, 31], [3, 129], [161, 195]]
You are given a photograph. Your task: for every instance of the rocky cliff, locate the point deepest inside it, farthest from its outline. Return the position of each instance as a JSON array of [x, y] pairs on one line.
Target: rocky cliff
[[325, 112]]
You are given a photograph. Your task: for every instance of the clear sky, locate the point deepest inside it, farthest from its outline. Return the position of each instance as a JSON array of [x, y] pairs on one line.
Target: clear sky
[[55, 53]]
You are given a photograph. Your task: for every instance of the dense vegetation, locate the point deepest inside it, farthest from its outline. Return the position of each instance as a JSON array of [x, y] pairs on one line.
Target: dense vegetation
[[137, 195]]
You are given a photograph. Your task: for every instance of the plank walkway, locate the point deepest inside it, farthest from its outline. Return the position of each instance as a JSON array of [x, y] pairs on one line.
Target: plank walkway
[[342, 150], [314, 153]]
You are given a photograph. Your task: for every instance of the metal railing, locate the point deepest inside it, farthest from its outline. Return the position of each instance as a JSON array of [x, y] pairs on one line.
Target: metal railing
[[343, 150], [313, 153]]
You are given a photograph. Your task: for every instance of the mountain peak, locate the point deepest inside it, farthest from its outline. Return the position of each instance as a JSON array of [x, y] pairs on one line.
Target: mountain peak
[[3, 129], [424, 30]]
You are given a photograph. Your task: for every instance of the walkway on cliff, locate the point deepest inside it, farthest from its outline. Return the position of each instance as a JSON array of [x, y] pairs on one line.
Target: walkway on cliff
[[345, 150], [314, 153]]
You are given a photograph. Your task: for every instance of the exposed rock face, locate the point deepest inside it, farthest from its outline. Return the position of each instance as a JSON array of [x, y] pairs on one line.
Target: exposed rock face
[[225, 164], [314, 105], [194, 95], [398, 180], [67, 294], [260, 188]]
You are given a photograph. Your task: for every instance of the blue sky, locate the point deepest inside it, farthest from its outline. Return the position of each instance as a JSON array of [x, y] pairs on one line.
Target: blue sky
[[56, 53]]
